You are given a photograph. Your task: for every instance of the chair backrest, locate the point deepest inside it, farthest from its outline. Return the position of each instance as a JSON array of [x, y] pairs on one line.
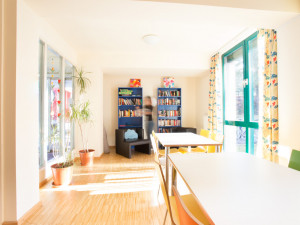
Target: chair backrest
[[154, 146], [156, 139], [205, 133], [185, 216], [164, 189], [218, 138], [295, 160]]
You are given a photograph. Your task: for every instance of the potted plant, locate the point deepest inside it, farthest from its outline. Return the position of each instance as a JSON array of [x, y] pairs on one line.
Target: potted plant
[[63, 170], [81, 114]]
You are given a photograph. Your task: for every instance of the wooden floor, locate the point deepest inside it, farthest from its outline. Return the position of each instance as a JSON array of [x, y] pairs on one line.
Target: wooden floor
[[116, 190]]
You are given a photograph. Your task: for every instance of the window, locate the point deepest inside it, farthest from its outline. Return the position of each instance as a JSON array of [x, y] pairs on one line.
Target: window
[[241, 85], [56, 96]]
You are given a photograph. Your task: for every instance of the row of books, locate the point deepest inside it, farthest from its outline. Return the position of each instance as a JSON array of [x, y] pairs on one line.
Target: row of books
[[125, 92], [130, 113], [169, 101], [165, 123], [126, 101], [168, 93], [169, 112], [164, 130]]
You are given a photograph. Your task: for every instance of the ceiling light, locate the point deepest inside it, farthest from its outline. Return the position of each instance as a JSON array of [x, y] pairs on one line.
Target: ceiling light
[[151, 39]]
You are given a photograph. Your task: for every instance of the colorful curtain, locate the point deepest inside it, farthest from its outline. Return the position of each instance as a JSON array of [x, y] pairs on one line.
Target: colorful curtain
[[215, 115], [270, 129]]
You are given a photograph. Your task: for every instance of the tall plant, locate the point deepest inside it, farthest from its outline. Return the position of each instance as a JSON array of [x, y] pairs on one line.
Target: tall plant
[[81, 114], [82, 81]]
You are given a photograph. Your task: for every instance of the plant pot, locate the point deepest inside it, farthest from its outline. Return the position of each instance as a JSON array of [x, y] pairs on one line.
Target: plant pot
[[61, 176], [87, 157]]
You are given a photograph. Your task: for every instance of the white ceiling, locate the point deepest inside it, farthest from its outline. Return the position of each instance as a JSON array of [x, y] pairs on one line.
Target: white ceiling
[[110, 31]]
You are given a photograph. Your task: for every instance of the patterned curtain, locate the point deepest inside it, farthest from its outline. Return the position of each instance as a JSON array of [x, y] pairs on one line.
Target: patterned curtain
[[270, 129], [215, 114]]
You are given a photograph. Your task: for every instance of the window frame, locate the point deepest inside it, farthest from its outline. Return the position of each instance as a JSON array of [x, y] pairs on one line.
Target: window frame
[[247, 123], [44, 101]]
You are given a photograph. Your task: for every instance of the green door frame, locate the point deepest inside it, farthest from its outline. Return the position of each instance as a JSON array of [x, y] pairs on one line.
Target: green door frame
[[247, 122]]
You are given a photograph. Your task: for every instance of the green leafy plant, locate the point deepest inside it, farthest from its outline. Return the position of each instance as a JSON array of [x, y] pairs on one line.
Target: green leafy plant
[[82, 81], [81, 114]]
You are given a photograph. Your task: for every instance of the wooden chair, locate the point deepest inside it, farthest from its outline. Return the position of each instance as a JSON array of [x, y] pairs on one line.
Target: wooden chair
[[169, 200], [295, 160], [189, 211], [156, 155], [204, 133]]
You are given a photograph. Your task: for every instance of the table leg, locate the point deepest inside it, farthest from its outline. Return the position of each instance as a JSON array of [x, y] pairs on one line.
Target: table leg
[[167, 149], [217, 148]]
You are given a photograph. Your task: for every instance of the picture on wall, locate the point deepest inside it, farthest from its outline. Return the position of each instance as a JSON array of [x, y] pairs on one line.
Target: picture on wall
[[168, 82], [135, 82]]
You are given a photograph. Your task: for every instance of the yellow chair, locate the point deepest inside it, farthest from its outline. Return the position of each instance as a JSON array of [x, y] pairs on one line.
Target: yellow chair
[[189, 211], [218, 138], [161, 152], [204, 133], [169, 200]]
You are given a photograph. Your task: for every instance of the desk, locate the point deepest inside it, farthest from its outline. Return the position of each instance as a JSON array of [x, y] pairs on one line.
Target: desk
[[182, 140], [240, 189]]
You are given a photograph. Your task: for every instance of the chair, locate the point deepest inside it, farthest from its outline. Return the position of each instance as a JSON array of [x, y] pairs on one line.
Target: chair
[[295, 160], [161, 152], [217, 138], [156, 155], [189, 211], [124, 147], [204, 133], [169, 200]]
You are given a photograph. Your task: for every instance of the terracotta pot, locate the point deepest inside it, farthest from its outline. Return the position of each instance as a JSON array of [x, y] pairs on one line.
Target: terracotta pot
[[87, 158], [62, 176]]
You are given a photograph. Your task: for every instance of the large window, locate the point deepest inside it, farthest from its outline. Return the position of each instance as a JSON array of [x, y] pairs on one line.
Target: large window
[[241, 96], [56, 95]]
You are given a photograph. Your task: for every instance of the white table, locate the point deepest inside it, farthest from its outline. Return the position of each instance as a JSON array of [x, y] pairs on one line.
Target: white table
[[182, 140], [240, 189]]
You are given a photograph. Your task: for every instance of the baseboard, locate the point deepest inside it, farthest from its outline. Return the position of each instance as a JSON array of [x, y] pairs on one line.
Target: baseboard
[[45, 181], [29, 212], [23, 218], [10, 223]]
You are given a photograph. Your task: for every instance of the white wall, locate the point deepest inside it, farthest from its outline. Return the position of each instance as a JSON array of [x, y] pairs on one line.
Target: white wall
[[202, 89], [150, 85], [30, 28], [288, 81]]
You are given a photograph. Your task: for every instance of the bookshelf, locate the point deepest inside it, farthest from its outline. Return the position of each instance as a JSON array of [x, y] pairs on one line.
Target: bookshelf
[[130, 104], [168, 109]]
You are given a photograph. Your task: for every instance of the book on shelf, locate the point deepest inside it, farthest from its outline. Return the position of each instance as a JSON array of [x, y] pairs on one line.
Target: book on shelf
[[169, 101], [130, 113], [164, 130], [127, 101], [169, 93], [168, 122], [167, 113]]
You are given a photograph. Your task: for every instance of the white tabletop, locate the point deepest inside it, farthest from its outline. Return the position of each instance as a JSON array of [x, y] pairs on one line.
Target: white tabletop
[[240, 189], [184, 139]]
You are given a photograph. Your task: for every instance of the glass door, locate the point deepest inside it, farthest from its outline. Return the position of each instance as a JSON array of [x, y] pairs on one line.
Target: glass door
[[241, 96]]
